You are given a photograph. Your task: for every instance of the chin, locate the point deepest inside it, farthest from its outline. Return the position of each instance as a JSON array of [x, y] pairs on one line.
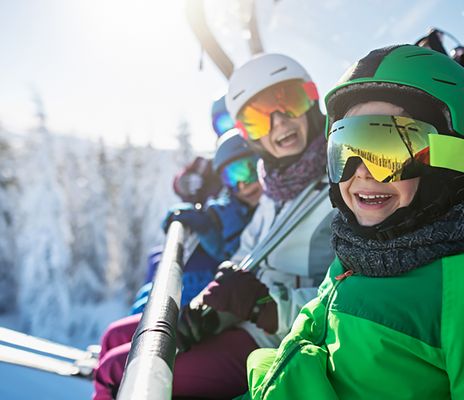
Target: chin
[[367, 222], [290, 152]]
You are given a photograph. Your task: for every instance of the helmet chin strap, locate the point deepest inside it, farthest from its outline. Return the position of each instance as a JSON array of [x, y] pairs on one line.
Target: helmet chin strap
[[438, 191]]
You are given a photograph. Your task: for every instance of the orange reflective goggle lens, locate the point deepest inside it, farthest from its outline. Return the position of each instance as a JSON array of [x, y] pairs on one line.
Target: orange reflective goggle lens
[[292, 98]]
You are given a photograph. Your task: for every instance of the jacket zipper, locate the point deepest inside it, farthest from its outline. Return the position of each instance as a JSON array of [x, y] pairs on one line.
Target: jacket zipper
[[339, 279], [293, 349]]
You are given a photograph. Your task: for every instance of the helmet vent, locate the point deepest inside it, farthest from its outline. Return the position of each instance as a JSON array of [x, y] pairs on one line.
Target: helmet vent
[[419, 55], [238, 95], [443, 81], [278, 70]]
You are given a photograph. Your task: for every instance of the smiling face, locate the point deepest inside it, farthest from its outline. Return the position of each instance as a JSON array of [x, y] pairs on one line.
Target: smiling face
[[287, 137], [249, 193], [370, 201]]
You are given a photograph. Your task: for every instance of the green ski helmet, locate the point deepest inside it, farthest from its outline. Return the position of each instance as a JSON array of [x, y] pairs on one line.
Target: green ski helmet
[[430, 87]]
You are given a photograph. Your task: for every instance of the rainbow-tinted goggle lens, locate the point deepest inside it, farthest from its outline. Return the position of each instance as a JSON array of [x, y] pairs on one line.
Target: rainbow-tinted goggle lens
[[391, 147], [222, 122], [241, 170], [292, 98]]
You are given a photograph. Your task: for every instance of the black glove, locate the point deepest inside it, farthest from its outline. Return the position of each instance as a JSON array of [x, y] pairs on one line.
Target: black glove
[[195, 323], [240, 293]]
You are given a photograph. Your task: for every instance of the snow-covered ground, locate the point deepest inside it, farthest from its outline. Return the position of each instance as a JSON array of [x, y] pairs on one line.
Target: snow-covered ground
[[20, 383]]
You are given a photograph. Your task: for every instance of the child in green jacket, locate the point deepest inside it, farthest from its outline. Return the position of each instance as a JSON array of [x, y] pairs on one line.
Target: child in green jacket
[[387, 323]]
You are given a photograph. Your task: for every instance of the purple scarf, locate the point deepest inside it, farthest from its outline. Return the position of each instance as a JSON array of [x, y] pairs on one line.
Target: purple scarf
[[286, 184]]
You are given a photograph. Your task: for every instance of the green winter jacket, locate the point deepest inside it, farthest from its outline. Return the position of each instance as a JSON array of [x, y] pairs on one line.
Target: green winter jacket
[[372, 338]]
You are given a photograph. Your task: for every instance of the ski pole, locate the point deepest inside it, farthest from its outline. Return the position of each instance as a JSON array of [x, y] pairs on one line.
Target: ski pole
[[148, 374]]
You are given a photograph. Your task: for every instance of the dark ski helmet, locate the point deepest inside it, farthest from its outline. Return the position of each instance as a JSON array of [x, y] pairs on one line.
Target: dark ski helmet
[[230, 147], [430, 87]]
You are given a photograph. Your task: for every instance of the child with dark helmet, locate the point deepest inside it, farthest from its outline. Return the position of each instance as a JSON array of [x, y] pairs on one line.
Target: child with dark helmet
[[387, 322]]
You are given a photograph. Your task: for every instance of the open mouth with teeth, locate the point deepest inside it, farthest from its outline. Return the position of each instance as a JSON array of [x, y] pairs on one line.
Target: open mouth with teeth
[[286, 140], [373, 199]]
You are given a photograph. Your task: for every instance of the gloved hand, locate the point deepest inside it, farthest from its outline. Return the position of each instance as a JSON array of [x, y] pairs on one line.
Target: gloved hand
[[242, 294], [189, 184], [188, 214], [194, 324]]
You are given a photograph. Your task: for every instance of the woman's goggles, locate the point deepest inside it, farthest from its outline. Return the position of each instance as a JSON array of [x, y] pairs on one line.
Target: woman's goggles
[[292, 98], [241, 170], [390, 147]]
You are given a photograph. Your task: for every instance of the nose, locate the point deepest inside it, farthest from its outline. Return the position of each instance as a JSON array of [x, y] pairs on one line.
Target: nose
[[362, 172], [277, 119]]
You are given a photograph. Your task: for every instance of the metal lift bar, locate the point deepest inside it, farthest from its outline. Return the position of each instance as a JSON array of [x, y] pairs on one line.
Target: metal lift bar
[[148, 374]]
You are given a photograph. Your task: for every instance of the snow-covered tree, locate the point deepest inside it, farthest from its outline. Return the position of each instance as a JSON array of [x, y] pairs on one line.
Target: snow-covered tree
[[77, 222], [185, 149], [44, 238], [8, 197]]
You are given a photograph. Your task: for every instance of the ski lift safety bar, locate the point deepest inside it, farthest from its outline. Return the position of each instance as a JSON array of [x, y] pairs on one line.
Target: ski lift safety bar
[[196, 17], [318, 190], [148, 373]]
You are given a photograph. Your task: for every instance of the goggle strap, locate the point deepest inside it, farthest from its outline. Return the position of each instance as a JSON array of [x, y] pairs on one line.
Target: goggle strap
[[447, 152], [239, 125], [311, 90]]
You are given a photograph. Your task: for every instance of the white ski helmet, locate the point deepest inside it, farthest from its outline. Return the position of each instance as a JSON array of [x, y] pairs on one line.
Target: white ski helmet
[[258, 74]]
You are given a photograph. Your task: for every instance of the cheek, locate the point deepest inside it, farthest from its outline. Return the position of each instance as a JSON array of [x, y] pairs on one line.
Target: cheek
[[265, 141], [407, 190], [257, 186], [303, 125]]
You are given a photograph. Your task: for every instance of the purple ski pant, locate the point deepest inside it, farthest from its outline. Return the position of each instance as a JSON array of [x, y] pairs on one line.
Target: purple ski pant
[[212, 369]]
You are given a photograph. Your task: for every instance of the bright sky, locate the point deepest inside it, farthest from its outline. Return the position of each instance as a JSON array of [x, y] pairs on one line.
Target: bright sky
[[129, 68]]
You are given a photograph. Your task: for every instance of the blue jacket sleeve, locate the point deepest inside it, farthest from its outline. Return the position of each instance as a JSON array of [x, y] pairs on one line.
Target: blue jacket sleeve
[[230, 217]]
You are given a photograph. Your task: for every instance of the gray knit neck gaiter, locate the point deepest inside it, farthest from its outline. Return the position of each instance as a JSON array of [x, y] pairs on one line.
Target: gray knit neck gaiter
[[375, 258]]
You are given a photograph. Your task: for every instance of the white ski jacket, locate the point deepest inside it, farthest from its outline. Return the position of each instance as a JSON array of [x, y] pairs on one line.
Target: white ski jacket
[[295, 268]]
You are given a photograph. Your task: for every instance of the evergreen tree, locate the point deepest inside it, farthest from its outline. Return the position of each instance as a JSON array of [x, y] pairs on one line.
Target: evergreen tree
[[44, 238], [8, 197]]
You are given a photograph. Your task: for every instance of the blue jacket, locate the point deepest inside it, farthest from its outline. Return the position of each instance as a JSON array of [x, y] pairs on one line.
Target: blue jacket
[[229, 216], [198, 272], [225, 218]]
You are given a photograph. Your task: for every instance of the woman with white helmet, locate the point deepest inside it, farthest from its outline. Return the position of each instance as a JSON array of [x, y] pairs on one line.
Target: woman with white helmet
[[275, 105]]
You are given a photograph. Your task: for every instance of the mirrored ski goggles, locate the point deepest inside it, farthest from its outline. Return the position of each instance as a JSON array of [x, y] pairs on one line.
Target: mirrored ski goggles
[[292, 98], [390, 147], [241, 170], [222, 122]]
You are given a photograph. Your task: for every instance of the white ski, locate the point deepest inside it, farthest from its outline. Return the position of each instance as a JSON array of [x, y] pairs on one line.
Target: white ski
[[46, 363], [30, 351], [29, 342]]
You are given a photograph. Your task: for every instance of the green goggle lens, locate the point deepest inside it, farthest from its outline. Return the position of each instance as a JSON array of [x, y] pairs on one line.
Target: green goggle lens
[[389, 146], [241, 170]]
